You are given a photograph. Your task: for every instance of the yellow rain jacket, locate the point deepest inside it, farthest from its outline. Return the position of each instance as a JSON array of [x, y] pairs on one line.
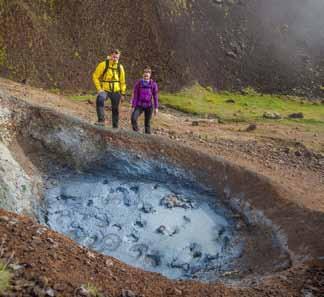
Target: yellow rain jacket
[[114, 79]]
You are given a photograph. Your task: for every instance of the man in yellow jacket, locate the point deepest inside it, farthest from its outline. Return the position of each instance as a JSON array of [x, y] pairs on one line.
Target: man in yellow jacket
[[110, 82]]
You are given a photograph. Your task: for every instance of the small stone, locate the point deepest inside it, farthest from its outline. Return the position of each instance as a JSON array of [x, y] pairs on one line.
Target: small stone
[[171, 201], [82, 291], [230, 101], [231, 54], [50, 240], [177, 292], [4, 219], [230, 273], [162, 229], [272, 115], [16, 267], [296, 115], [40, 231], [298, 153], [251, 127], [109, 262], [128, 293], [90, 255], [195, 123], [50, 292]]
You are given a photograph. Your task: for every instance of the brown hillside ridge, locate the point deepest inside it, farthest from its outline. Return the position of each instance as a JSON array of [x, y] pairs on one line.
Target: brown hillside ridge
[[45, 263], [274, 46]]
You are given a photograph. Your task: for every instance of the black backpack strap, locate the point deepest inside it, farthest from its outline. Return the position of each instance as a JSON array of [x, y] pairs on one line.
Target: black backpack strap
[[118, 70], [106, 69]]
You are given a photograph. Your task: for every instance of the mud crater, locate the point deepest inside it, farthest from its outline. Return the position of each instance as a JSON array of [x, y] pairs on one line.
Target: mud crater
[[153, 215], [149, 202]]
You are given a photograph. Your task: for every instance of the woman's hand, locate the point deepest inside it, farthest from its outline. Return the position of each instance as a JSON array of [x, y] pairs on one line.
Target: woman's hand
[[156, 111]]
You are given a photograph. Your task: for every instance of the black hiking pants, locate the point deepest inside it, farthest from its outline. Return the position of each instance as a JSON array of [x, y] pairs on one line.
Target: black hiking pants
[[100, 104], [148, 112]]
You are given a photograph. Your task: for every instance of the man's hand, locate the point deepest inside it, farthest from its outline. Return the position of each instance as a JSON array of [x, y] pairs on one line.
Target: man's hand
[[156, 111]]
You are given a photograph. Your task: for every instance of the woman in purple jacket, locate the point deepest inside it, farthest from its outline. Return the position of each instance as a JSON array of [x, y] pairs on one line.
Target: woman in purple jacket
[[144, 91]]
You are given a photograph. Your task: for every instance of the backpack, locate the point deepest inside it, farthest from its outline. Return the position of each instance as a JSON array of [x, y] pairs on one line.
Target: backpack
[[107, 68]]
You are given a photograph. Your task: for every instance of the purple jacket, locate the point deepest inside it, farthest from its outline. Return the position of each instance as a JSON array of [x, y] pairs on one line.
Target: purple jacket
[[143, 93]]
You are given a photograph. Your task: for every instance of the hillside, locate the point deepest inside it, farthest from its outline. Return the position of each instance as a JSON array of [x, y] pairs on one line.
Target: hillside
[[273, 46]]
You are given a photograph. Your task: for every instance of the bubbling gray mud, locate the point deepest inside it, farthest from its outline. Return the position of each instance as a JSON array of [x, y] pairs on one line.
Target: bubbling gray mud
[[164, 228]]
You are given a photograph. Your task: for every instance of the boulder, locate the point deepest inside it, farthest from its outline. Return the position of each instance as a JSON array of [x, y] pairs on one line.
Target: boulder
[[296, 115]]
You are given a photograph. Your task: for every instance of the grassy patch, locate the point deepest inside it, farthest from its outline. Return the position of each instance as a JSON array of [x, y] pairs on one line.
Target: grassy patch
[[4, 278], [92, 290], [82, 97], [249, 106]]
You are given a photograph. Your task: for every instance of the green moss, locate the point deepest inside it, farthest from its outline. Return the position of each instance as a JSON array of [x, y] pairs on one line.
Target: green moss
[[3, 56], [178, 7], [248, 106], [5, 277], [93, 291], [23, 188]]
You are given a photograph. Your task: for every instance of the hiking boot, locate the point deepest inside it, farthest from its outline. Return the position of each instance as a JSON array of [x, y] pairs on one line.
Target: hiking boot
[[100, 123]]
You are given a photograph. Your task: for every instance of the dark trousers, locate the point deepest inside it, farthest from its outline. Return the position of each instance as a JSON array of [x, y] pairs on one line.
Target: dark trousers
[[148, 111], [100, 104]]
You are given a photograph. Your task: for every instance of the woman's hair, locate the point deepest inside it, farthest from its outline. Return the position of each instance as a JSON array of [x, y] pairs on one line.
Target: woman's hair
[[147, 69]]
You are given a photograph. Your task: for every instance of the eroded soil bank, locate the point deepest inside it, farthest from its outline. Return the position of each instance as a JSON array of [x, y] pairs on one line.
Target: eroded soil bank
[[49, 142]]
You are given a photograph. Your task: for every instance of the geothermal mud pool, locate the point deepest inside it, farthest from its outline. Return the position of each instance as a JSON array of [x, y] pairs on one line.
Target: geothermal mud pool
[[177, 230]]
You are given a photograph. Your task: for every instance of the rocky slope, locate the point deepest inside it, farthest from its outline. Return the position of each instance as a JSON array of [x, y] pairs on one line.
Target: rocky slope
[[271, 45]]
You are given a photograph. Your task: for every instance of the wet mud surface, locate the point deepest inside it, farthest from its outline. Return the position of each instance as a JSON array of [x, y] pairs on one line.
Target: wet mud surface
[[179, 231]]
